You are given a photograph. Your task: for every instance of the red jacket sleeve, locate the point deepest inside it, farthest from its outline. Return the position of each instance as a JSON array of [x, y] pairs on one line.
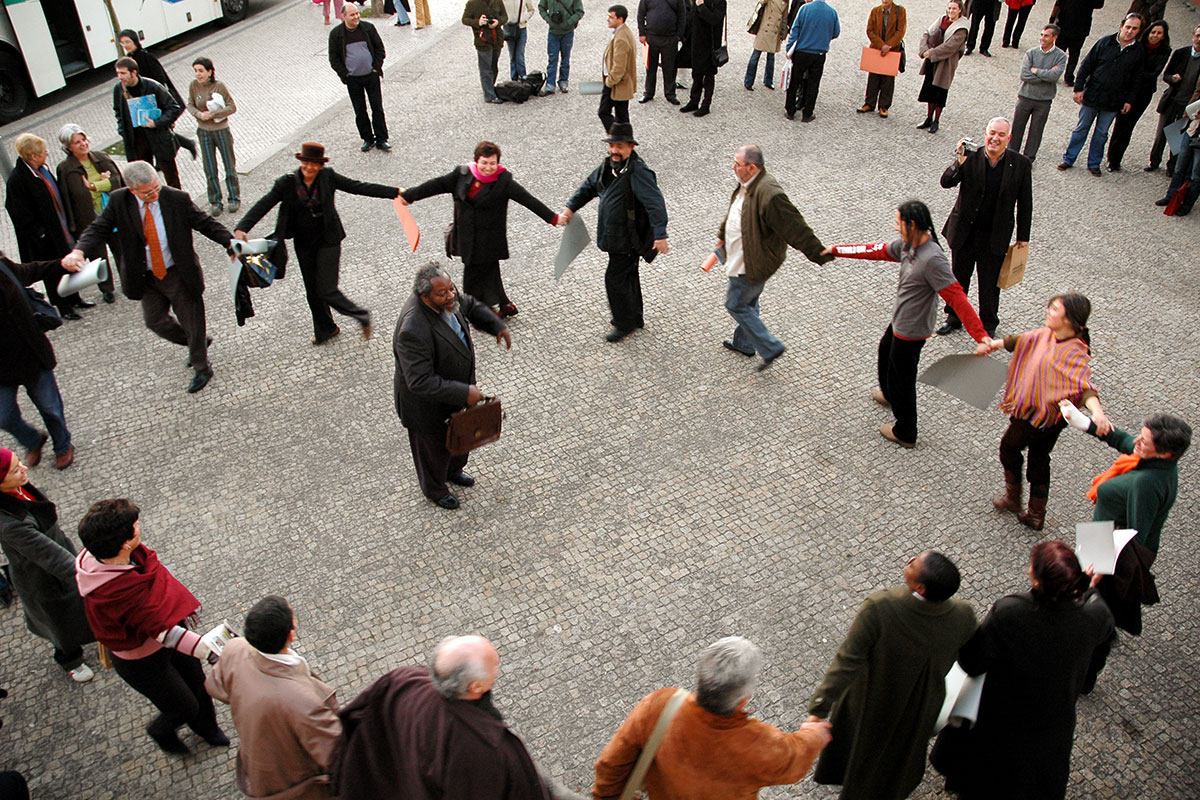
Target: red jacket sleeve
[[876, 251], [956, 298]]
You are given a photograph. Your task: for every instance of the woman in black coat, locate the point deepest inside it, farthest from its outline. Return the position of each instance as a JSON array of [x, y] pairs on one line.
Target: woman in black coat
[[42, 561], [150, 67], [1040, 650], [86, 177], [481, 193], [706, 27], [308, 217], [1157, 42]]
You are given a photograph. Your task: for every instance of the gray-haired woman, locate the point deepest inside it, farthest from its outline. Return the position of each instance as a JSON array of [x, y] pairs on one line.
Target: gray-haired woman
[[87, 177]]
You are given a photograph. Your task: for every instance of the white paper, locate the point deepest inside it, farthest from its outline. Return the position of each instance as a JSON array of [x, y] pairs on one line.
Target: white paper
[[1098, 545], [254, 247], [235, 272], [963, 694], [218, 637], [216, 103], [89, 275]]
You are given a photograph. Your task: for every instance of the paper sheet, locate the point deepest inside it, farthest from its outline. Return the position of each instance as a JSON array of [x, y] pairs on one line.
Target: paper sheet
[[254, 247], [1176, 138], [591, 87], [975, 379], [89, 275], [218, 637], [1098, 545], [575, 238], [411, 231]]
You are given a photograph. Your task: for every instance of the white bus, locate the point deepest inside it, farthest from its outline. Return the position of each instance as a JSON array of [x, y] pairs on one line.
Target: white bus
[[44, 42]]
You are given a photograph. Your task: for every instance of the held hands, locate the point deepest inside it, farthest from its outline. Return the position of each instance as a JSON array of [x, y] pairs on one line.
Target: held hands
[[564, 216], [1103, 426], [828, 251], [504, 338], [821, 726], [240, 235], [72, 261], [1074, 417], [988, 346], [661, 244]]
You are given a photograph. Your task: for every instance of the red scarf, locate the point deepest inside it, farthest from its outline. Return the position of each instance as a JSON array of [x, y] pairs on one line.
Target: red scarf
[[139, 604], [1123, 464]]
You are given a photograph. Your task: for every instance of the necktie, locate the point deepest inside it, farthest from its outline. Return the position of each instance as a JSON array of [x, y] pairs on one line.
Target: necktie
[[157, 265]]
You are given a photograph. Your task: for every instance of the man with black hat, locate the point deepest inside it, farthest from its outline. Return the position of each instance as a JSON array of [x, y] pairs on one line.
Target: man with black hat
[[631, 224]]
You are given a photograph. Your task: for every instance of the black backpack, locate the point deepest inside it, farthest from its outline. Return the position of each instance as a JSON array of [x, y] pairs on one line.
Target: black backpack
[[513, 91], [536, 81]]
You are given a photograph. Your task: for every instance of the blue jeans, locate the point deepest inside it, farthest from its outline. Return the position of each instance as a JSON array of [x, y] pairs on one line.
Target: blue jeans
[[401, 15], [752, 70], [44, 394], [1187, 170], [1088, 115], [751, 335], [558, 44], [516, 55]]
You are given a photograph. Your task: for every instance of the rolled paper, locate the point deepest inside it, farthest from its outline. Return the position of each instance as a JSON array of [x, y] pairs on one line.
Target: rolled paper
[[89, 275], [254, 247], [709, 262]]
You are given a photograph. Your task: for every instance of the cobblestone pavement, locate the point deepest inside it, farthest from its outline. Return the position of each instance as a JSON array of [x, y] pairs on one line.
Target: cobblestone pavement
[[646, 497]]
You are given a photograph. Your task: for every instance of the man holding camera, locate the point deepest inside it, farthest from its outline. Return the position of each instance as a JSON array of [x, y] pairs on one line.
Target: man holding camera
[[486, 19], [993, 181], [563, 18]]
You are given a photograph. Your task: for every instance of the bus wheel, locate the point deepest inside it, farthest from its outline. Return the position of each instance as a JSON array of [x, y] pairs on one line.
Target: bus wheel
[[234, 10], [14, 89]]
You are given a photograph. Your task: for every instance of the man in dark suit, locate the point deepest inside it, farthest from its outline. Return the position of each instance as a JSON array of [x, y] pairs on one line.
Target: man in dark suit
[[993, 181], [157, 263], [152, 141], [435, 374]]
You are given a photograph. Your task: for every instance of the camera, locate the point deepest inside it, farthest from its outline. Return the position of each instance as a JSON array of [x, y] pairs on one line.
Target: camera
[[556, 17], [969, 146]]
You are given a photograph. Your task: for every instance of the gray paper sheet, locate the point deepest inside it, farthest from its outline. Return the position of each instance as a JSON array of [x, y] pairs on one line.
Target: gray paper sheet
[[575, 238], [1176, 138], [89, 275], [591, 87], [975, 379]]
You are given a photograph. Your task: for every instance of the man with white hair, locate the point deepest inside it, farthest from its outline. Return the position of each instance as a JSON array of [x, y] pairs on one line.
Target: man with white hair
[[433, 732], [713, 749], [158, 266]]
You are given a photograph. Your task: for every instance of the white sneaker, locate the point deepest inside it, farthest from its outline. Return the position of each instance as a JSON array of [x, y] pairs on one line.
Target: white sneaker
[[82, 674]]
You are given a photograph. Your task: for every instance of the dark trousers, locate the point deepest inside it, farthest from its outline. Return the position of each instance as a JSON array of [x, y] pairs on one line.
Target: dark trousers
[[364, 88], [1014, 25], [482, 280], [611, 110], [1034, 113], [624, 287], [1073, 46], [145, 152], [434, 462], [806, 81], [13, 786], [989, 28], [320, 268], [897, 370], [701, 93], [167, 295], [174, 683], [1019, 436], [1160, 139], [662, 48], [971, 257], [70, 658], [1122, 129], [881, 88]]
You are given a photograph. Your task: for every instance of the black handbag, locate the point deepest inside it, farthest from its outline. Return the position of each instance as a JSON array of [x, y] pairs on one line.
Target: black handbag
[[720, 55], [45, 315]]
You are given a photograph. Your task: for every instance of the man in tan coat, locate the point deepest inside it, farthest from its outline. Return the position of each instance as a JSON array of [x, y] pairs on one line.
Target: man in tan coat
[[286, 718], [620, 70], [713, 750]]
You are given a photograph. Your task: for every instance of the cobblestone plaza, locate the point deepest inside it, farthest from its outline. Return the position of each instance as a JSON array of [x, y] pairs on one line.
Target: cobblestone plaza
[[647, 497]]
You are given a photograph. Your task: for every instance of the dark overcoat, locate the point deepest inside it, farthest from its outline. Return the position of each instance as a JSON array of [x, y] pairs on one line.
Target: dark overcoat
[[25, 352], [1016, 194], [71, 174], [434, 368], [30, 206], [180, 216], [482, 221], [42, 561], [706, 29], [162, 140], [1074, 17], [613, 234], [284, 193]]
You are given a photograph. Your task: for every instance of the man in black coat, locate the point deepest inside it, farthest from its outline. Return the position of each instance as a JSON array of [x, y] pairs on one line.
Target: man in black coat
[[435, 374], [661, 24], [1105, 86], [993, 182], [356, 54], [27, 359], [1181, 77], [154, 141], [1074, 19], [158, 264]]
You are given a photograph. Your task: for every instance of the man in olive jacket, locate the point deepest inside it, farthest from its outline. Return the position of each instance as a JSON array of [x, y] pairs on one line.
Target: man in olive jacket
[[435, 374], [563, 18], [755, 235], [486, 20]]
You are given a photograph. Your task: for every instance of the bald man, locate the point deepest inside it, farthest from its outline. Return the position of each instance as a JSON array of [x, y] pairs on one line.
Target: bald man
[[433, 732]]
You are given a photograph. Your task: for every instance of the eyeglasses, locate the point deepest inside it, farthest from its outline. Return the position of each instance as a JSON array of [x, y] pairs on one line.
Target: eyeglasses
[[146, 192]]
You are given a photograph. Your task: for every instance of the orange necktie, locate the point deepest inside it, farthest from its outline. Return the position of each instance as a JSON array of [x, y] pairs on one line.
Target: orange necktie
[[157, 265]]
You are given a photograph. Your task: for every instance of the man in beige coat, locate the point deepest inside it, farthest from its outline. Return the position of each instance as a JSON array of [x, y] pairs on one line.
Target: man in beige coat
[[286, 719], [620, 70]]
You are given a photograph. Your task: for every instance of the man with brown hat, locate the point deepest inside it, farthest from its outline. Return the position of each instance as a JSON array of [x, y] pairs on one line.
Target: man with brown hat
[[624, 184]]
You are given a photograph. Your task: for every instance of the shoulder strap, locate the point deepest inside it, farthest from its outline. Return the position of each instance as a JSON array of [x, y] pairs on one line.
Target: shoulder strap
[[634, 784]]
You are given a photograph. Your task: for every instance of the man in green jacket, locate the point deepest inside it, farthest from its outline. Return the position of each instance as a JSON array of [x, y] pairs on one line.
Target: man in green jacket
[[563, 18], [754, 238], [486, 20]]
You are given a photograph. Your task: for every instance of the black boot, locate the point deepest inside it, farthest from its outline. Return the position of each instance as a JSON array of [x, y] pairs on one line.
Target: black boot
[[928, 121]]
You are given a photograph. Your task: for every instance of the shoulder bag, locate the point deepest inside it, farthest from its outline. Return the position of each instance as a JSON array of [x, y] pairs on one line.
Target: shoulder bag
[[720, 55], [757, 17], [45, 315], [638, 776]]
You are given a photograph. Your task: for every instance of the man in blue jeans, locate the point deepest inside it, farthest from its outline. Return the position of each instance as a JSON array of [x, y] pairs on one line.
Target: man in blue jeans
[[755, 235], [563, 18], [1105, 86], [27, 359]]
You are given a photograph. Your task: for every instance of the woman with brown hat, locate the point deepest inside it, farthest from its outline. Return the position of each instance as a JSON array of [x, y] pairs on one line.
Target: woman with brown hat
[[308, 217]]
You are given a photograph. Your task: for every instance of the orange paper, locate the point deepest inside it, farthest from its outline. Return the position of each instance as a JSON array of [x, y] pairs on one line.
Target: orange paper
[[408, 223], [878, 63], [709, 262], [646, 55]]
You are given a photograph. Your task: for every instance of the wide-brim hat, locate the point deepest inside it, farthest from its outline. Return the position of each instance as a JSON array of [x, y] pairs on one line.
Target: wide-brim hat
[[621, 133], [312, 151]]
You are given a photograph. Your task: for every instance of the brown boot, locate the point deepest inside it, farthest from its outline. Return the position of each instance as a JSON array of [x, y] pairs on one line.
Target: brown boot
[[1011, 499], [1035, 516]]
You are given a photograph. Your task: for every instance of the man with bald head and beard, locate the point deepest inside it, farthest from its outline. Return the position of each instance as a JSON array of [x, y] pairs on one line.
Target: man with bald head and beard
[[433, 732]]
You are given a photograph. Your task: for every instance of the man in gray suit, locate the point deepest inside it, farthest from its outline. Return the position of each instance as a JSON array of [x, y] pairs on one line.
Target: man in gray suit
[[435, 374]]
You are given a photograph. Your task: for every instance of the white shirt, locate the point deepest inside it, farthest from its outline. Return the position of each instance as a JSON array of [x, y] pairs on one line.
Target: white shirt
[[156, 215], [735, 256]]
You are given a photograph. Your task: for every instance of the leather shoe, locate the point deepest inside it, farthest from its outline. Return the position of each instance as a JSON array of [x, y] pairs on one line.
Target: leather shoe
[[878, 397], [34, 456], [808, 117], [71, 315], [689, 108], [1163, 202], [64, 460], [448, 502], [167, 740], [199, 381], [645, 99], [367, 146], [728, 345], [367, 331], [673, 101], [886, 432], [948, 327], [1064, 165], [933, 126], [616, 335], [766, 362], [1095, 171], [384, 146], [865, 109], [985, 53], [461, 479], [81, 303], [324, 339], [109, 298], [508, 309]]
